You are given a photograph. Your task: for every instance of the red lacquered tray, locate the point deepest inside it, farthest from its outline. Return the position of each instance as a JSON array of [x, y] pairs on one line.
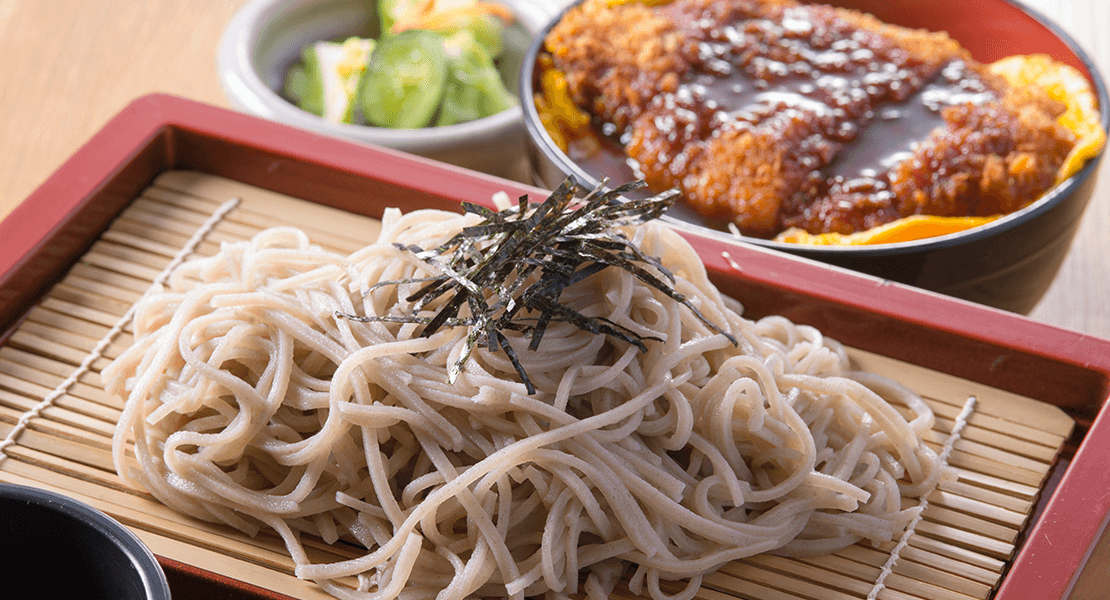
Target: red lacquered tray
[[49, 231]]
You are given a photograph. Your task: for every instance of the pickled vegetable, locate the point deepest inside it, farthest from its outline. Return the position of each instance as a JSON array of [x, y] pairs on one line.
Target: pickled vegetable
[[484, 19], [326, 80], [474, 87], [435, 63], [405, 80]]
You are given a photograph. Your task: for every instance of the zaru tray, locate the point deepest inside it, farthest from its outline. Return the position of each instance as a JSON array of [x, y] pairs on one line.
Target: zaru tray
[[1023, 520]]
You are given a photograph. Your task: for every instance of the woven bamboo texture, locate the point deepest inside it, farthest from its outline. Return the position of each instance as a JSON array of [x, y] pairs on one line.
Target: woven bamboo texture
[[58, 423]]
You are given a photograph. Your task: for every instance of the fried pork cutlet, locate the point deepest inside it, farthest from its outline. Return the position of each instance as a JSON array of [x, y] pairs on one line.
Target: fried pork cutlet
[[774, 114]]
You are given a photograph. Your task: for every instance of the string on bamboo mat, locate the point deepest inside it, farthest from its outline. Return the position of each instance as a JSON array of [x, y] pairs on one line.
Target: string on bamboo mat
[[98, 350], [923, 503]]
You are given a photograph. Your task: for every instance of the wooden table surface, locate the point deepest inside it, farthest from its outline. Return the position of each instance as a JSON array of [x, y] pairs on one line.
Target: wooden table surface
[[70, 65]]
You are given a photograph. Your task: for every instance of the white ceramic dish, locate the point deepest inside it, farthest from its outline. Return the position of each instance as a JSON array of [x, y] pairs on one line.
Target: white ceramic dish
[[266, 36]]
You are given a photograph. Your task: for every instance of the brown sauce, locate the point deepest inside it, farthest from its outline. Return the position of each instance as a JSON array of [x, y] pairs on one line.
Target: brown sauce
[[843, 105], [870, 144]]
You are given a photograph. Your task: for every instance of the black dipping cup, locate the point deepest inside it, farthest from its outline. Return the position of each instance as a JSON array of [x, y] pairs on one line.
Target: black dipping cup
[[56, 547]]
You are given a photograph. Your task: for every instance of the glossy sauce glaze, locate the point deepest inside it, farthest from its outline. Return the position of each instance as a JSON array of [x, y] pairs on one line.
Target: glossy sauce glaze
[[843, 109]]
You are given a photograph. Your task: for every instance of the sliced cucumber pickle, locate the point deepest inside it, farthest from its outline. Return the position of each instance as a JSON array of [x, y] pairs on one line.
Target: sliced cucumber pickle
[[405, 80]]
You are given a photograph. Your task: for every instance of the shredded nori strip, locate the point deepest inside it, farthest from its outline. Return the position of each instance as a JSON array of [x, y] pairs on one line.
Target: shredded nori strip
[[560, 242]]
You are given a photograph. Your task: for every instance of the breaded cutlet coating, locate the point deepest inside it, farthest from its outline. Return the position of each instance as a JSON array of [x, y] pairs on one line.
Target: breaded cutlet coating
[[988, 160], [613, 69], [804, 79]]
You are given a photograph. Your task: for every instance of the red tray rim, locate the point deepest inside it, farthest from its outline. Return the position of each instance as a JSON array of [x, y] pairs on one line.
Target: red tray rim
[[151, 134]]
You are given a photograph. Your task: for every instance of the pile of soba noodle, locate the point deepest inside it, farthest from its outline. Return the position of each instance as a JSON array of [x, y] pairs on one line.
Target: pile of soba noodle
[[252, 403]]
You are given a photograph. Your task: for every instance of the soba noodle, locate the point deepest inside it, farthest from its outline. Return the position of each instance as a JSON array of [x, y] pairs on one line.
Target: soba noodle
[[252, 404]]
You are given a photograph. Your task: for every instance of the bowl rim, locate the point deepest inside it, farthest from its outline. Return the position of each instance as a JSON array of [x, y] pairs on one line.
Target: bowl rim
[[1053, 197], [115, 533], [242, 84]]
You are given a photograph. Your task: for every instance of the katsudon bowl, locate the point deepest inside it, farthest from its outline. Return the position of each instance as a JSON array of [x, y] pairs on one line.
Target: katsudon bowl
[[1007, 263]]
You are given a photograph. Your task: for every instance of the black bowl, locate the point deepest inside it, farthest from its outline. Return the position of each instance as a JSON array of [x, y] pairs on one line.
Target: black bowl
[[1008, 263], [58, 547]]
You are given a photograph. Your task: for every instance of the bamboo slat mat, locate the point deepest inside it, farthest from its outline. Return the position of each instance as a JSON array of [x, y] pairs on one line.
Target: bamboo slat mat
[[51, 396]]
